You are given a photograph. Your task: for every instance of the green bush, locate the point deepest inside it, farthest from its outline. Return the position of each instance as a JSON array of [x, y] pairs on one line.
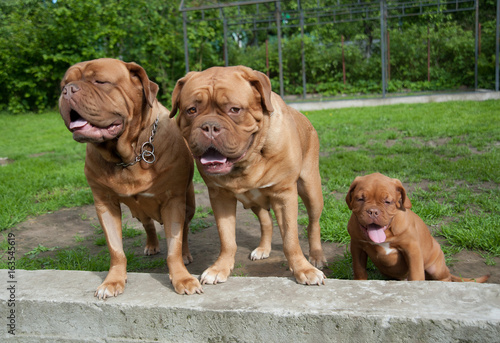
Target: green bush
[[39, 40]]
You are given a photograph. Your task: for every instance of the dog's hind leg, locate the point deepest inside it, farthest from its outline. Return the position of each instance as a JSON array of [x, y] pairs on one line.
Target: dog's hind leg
[[152, 244], [266, 228]]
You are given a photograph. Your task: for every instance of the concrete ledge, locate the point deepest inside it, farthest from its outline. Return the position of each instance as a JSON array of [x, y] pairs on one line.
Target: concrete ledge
[[59, 306], [323, 105]]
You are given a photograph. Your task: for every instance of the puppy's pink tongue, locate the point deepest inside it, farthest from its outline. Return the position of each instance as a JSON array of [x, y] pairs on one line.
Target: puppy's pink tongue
[[377, 234], [213, 157], [77, 124]]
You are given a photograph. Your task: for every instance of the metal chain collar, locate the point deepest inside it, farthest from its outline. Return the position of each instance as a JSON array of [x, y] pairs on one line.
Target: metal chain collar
[[147, 149]]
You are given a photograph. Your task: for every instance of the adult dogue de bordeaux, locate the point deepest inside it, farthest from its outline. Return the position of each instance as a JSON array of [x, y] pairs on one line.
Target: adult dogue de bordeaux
[[135, 155], [249, 146], [383, 227]]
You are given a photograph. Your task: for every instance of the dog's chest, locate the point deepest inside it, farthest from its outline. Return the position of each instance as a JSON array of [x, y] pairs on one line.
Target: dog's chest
[[384, 248], [254, 197]]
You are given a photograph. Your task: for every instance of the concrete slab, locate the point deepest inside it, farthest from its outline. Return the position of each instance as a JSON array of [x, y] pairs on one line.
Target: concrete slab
[[58, 306], [323, 105]]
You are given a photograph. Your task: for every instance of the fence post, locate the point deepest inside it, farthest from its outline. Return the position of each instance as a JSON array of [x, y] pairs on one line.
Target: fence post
[[280, 57], [302, 51], [428, 56], [184, 29], [383, 17], [343, 59], [226, 57], [497, 52], [476, 45]]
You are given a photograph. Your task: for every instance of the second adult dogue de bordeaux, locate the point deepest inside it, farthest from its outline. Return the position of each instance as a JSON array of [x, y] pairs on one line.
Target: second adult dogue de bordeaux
[[383, 227], [251, 147], [135, 156]]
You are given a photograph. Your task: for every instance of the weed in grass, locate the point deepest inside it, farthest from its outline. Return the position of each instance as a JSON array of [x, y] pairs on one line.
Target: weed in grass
[[334, 220], [475, 232], [342, 268], [197, 223], [97, 229], [129, 232], [78, 238], [489, 259], [100, 241], [40, 248], [80, 258]]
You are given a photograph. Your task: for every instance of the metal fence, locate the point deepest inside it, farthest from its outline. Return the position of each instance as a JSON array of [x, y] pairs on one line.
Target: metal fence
[[269, 15]]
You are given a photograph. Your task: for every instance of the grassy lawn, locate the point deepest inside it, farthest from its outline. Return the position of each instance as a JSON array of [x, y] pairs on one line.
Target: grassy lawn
[[446, 154]]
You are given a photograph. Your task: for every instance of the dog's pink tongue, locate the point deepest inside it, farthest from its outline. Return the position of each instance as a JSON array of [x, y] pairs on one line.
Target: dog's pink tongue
[[213, 157], [376, 233], [77, 124]]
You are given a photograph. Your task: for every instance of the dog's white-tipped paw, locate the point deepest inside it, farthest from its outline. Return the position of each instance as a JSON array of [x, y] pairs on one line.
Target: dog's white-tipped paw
[[109, 289], [213, 276], [311, 276], [259, 254], [151, 250]]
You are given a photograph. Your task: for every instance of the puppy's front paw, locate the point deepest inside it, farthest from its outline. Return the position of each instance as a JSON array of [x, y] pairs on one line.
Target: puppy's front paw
[[260, 253], [187, 285], [110, 289], [214, 275], [310, 276]]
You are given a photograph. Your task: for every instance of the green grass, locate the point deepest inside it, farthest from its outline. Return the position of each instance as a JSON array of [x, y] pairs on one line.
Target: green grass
[[46, 169], [446, 154]]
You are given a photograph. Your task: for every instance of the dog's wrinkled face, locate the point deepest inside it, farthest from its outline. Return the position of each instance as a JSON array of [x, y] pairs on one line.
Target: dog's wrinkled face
[[375, 199], [220, 112], [99, 97]]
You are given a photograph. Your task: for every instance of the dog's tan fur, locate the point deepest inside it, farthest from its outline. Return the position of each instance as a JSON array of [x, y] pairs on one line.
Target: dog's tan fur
[[383, 227], [111, 105], [251, 147]]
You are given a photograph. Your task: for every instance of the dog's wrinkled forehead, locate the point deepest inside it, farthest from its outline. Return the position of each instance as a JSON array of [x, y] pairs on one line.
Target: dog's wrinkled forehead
[[220, 85], [102, 71]]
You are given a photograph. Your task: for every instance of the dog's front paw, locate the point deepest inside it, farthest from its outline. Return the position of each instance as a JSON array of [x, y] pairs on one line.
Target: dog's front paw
[[317, 258], [260, 253], [187, 285], [110, 289], [310, 276], [215, 275]]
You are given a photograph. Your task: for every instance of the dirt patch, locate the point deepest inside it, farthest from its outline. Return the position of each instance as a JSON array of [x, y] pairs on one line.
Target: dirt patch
[[73, 227]]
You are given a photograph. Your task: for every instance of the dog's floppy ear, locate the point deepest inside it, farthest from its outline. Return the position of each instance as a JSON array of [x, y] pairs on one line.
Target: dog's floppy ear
[[262, 84], [348, 198], [403, 202], [177, 92], [150, 88]]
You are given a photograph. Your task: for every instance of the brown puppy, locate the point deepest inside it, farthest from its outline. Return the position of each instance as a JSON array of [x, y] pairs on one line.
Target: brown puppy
[[250, 146], [383, 227], [135, 156]]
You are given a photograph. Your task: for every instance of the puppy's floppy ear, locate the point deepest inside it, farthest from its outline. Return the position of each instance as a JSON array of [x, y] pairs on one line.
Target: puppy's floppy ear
[[403, 202], [150, 89], [348, 198], [263, 85], [176, 94]]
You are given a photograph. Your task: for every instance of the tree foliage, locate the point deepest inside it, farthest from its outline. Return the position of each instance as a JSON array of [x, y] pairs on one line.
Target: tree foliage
[[40, 39]]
